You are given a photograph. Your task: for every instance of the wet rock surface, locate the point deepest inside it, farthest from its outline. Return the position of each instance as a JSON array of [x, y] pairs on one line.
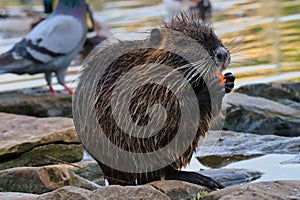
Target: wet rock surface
[[264, 190], [67, 192], [229, 147], [111, 192], [17, 196], [230, 177], [30, 141], [36, 102], [39, 180], [295, 160], [127, 192], [89, 170], [284, 93], [180, 190], [260, 116]]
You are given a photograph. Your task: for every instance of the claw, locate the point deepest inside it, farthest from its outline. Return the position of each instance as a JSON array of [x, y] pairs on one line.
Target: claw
[[229, 77], [229, 82]]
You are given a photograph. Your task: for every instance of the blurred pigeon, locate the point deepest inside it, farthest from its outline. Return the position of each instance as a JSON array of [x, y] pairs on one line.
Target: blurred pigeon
[[98, 31], [51, 45]]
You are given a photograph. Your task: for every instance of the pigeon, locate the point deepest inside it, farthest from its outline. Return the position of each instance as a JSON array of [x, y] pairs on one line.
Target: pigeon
[[51, 45]]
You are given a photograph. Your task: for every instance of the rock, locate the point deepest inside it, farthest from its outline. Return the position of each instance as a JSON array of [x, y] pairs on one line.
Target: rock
[[30, 141], [38, 180], [284, 93], [88, 170], [36, 104], [45, 155], [260, 116], [17, 196], [67, 192], [231, 146], [264, 190], [230, 177], [180, 189], [110, 192], [295, 160], [144, 192]]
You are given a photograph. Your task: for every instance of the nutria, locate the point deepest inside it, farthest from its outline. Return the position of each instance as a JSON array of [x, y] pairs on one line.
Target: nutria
[[179, 45]]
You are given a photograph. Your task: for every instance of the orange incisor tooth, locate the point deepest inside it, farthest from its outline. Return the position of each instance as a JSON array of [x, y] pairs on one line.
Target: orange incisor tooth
[[223, 78]]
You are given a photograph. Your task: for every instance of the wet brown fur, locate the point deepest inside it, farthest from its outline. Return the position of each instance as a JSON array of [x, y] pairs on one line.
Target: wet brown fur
[[148, 95]]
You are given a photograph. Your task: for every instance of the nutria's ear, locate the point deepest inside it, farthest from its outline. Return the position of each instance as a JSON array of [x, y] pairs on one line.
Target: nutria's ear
[[155, 37]]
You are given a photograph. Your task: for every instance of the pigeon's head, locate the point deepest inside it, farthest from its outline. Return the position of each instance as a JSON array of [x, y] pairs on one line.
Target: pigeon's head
[[76, 8]]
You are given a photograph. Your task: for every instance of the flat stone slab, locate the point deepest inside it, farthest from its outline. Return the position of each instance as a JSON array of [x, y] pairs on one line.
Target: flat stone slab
[[260, 116], [27, 141], [39, 180], [67, 192], [89, 170], [177, 190], [285, 93], [229, 177], [263, 190], [17, 196], [295, 160], [128, 192], [36, 103], [144, 192], [221, 148]]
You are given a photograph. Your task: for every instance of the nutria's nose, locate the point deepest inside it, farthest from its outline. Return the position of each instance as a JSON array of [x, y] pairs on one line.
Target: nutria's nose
[[222, 54]]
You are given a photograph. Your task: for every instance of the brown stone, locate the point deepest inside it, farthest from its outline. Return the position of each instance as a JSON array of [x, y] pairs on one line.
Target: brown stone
[[260, 116], [17, 196], [66, 193], [38, 105], [144, 192], [38, 180], [275, 190], [26, 141], [179, 189]]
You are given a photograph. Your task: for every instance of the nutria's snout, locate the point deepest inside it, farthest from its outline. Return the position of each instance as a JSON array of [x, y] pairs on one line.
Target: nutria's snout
[[222, 57]]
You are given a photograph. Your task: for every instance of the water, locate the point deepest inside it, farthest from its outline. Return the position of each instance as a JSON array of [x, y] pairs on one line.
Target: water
[[264, 36], [269, 164]]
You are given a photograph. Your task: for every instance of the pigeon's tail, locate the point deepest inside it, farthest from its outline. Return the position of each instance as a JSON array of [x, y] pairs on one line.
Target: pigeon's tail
[[9, 64]]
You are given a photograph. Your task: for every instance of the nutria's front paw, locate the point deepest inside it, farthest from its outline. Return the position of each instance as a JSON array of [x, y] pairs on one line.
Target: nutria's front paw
[[229, 82]]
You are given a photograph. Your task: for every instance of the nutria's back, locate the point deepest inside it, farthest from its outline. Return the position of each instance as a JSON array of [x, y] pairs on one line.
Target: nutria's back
[[141, 106]]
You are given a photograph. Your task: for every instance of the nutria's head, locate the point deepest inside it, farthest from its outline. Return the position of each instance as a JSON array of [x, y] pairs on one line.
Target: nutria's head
[[197, 31]]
